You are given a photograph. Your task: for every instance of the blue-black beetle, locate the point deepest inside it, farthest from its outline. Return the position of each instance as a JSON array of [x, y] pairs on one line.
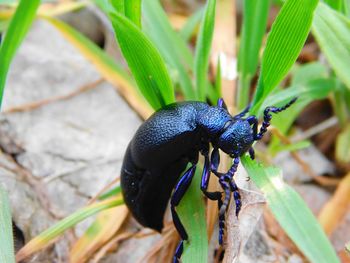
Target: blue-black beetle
[[173, 137]]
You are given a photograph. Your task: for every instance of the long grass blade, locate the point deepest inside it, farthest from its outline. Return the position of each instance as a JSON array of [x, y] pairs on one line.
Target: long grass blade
[[170, 45], [332, 32], [145, 62], [117, 5], [99, 232], [284, 43], [292, 213], [18, 28], [7, 253], [306, 93], [105, 5], [4, 24], [62, 8], [342, 146], [188, 30], [338, 5], [133, 11], [192, 214], [255, 14], [203, 49], [46, 237]]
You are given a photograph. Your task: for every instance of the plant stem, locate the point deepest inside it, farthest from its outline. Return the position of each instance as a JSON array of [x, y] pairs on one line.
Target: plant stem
[[339, 105], [243, 91]]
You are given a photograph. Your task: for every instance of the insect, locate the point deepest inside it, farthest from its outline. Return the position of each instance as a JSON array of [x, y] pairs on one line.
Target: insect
[[172, 138]]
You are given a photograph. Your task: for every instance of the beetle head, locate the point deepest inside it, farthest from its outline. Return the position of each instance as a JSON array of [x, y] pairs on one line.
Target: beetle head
[[236, 138]]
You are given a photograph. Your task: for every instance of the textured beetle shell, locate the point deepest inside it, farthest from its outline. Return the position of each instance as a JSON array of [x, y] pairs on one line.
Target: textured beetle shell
[[156, 157]]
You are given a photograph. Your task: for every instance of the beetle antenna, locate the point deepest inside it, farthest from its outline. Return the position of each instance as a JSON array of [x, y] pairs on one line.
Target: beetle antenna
[[268, 117], [221, 103], [244, 112]]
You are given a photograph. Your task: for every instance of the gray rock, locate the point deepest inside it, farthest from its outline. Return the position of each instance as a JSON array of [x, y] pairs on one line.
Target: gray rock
[[59, 155], [292, 172]]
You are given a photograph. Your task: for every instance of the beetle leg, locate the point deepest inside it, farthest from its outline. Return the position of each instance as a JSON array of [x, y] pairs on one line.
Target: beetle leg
[[221, 224], [251, 153], [213, 195], [236, 196], [205, 181], [179, 192], [215, 161], [228, 185], [221, 103], [223, 207], [224, 181], [252, 120], [178, 252]]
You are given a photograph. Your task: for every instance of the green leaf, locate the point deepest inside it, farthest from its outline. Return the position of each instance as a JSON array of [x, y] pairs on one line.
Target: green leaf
[[174, 50], [62, 8], [342, 147], [291, 213], [19, 26], [8, 2], [145, 62], [7, 253], [113, 192], [47, 236], [4, 24], [218, 79], [203, 46], [341, 103], [284, 43], [129, 8], [105, 5], [314, 90], [313, 87], [133, 11], [187, 31], [255, 14], [191, 211], [118, 5], [332, 32], [309, 82], [335, 4], [309, 72], [279, 147]]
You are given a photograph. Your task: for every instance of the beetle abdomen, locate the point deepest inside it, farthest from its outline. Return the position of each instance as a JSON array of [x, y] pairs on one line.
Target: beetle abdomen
[[155, 159], [146, 193]]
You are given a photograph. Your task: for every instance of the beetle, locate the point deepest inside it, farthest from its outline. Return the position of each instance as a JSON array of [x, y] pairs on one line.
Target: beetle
[[172, 138]]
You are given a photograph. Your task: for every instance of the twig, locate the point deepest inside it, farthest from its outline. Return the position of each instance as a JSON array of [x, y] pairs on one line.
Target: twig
[[35, 183], [169, 233], [92, 200], [113, 243], [37, 104], [315, 129], [306, 168]]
